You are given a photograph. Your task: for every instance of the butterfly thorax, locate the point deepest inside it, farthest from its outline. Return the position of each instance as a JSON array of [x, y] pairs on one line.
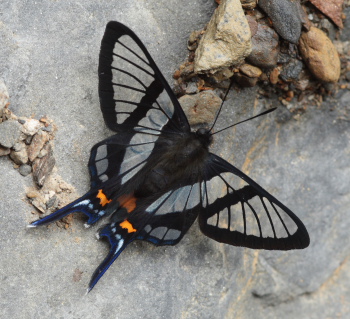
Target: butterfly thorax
[[181, 159]]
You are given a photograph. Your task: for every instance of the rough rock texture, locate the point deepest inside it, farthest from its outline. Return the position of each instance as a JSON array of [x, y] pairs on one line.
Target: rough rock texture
[[320, 55], [49, 59], [286, 16], [227, 38], [265, 46]]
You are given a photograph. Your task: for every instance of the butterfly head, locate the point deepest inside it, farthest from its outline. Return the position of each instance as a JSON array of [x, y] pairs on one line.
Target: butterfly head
[[204, 136]]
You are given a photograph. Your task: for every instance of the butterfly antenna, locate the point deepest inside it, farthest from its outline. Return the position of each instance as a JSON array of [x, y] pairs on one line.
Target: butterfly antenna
[[217, 115], [263, 113]]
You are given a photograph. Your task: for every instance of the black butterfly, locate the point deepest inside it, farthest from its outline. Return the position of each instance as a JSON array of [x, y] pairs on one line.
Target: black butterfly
[[154, 176]]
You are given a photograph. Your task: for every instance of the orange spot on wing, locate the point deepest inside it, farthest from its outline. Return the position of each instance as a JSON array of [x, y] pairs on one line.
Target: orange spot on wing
[[128, 202], [103, 198], [127, 225]]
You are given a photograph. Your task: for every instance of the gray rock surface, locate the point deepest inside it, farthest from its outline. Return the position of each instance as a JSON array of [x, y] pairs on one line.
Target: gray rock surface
[[286, 16], [49, 57]]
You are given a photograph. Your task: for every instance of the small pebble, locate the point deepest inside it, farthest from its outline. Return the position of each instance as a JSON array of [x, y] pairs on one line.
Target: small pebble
[[32, 194], [51, 201], [28, 139], [20, 157], [37, 144], [4, 94], [320, 55], [244, 81], [200, 108], [47, 128], [25, 170], [291, 70], [10, 132], [250, 70], [42, 167], [4, 151], [31, 126], [265, 47], [191, 88], [274, 75], [285, 16]]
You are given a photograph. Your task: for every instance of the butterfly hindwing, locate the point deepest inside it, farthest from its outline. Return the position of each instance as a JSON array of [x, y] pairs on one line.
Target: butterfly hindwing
[[171, 215], [161, 220], [239, 212], [120, 157]]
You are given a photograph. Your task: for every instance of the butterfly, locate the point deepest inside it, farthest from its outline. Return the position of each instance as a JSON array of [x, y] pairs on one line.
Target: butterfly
[[155, 176]]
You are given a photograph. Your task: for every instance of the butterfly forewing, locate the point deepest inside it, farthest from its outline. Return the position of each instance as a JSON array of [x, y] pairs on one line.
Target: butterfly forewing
[[136, 102], [239, 212], [133, 93]]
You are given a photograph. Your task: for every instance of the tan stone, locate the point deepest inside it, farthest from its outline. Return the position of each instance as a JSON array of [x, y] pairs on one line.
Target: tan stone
[[20, 157], [320, 55], [37, 144], [226, 41], [250, 70], [42, 167], [4, 151]]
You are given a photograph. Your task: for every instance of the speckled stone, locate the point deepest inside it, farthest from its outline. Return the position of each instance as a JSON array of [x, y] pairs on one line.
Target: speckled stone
[[227, 39], [286, 16]]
